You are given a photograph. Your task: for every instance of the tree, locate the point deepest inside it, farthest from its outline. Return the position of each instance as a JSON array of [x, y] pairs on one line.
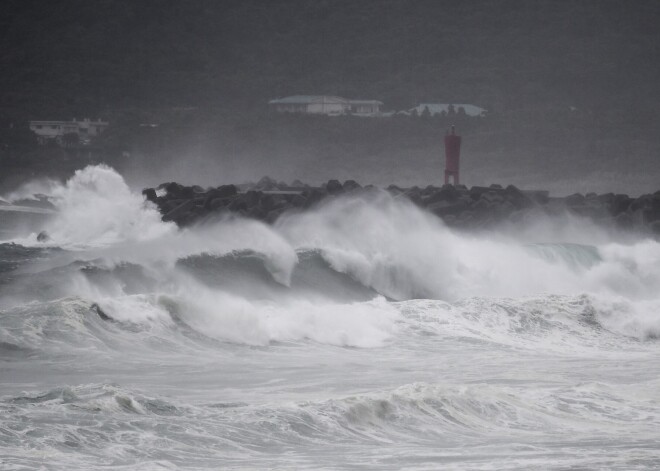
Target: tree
[[426, 113]]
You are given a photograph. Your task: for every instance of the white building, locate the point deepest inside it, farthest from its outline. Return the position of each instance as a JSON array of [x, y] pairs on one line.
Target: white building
[[56, 130], [327, 105], [447, 109]]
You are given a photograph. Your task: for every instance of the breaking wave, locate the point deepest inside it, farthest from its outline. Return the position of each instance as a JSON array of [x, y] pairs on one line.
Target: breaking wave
[[323, 275]]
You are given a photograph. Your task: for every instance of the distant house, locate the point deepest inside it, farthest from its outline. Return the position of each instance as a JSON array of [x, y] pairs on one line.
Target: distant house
[[55, 131], [446, 109], [327, 105]]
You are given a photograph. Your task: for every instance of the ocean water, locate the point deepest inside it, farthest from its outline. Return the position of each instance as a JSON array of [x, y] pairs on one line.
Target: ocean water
[[363, 334]]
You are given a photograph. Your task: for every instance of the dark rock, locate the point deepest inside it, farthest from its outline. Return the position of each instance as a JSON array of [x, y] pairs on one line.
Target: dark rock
[[444, 208], [446, 193], [589, 211], [43, 236], [274, 214], [414, 194], [256, 212], [298, 201], [537, 197], [477, 191], [429, 190], [654, 227], [268, 202], [149, 194], [179, 212], [642, 202], [224, 191], [216, 204], [395, 190], [266, 184], [177, 191], [650, 215], [517, 198], [97, 309], [313, 196], [503, 209], [173, 189], [252, 198], [624, 221], [333, 187], [619, 204], [482, 206], [238, 204], [169, 205], [492, 197], [576, 199], [495, 186], [351, 185]]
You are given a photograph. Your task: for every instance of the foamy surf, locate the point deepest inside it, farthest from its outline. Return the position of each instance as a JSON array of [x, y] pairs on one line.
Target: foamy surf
[[361, 334]]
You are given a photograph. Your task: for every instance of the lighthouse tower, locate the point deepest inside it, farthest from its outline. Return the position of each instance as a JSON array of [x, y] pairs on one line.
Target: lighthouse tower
[[452, 155]]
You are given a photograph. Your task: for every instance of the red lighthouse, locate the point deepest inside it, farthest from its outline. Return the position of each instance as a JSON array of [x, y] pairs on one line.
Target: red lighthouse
[[452, 155]]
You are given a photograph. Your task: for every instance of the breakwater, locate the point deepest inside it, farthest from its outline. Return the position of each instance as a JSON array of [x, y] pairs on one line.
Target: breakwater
[[474, 208]]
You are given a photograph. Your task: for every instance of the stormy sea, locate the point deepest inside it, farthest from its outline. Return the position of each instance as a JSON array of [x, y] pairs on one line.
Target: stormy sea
[[361, 334]]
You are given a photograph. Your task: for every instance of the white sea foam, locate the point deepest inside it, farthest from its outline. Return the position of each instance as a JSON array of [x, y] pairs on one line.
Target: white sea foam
[[232, 345]]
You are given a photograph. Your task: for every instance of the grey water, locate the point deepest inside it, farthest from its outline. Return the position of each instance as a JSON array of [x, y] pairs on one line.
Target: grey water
[[363, 334]]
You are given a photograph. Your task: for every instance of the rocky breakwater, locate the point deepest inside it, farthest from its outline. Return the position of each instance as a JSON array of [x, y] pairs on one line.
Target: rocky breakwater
[[461, 207]]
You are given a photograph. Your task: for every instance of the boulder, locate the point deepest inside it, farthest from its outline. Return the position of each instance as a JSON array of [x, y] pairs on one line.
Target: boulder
[[351, 185], [619, 204], [642, 202], [654, 227], [216, 204], [445, 208], [576, 199], [492, 197], [177, 214], [149, 194], [446, 193], [333, 187], [224, 191], [238, 204], [252, 198], [274, 214], [414, 194], [624, 221], [266, 184]]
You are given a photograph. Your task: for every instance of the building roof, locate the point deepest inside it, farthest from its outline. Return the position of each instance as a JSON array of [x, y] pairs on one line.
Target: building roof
[[307, 99], [438, 108], [365, 102], [73, 122]]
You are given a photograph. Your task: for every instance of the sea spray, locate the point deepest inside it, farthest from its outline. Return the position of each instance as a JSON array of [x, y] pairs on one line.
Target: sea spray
[[96, 208], [363, 333]]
